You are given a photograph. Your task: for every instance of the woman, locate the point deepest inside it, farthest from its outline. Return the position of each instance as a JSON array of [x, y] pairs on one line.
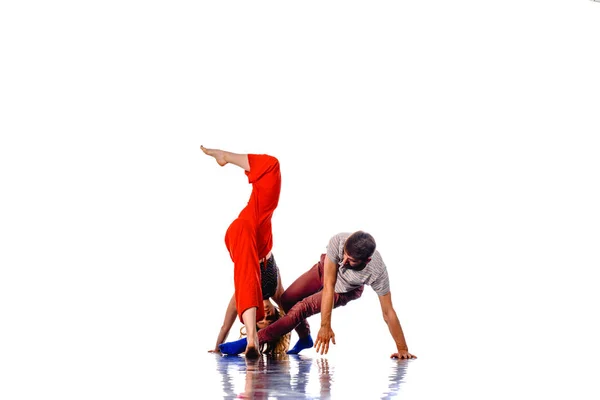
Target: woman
[[277, 346], [271, 289], [249, 240]]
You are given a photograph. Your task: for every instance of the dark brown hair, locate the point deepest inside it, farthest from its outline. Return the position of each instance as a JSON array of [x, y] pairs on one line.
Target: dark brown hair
[[360, 245]]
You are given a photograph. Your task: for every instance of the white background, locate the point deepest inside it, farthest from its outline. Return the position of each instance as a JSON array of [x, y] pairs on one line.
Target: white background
[[461, 134]]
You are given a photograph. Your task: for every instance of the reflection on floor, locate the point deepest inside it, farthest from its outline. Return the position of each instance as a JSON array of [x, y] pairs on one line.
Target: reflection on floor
[[304, 377]]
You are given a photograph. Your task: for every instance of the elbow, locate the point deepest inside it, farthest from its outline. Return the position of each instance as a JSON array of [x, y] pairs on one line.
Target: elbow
[[386, 318], [389, 316], [329, 286]]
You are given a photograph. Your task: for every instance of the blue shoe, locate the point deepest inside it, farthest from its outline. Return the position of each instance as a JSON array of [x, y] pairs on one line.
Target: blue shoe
[[233, 348], [301, 344]]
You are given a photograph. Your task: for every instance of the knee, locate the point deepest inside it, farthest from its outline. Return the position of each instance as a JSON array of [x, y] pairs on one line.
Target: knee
[[272, 165], [287, 302], [300, 310], [273, 161]]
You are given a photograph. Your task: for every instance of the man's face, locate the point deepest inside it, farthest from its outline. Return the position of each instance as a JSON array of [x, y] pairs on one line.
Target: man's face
[[352, 263]]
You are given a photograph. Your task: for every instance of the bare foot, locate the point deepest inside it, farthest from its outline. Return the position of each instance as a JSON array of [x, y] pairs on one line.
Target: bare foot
[[252, 348], [252, 353], [218, 155]]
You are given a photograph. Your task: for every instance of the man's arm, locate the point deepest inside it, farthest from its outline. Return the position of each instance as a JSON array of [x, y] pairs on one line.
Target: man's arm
[[230, 316], [326, 333], [393, 323]]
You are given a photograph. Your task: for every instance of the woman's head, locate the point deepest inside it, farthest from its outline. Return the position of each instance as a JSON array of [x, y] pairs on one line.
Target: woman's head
[[272, 314]]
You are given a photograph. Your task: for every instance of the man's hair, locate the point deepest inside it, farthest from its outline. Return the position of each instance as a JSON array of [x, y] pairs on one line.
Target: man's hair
[[360, 245]]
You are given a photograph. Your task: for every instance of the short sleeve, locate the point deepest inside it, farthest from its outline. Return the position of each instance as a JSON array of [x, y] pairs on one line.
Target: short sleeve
[[381, 285], [333, 248]]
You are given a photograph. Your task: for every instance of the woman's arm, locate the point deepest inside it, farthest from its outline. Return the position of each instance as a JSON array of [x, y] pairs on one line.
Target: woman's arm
[[230, 316]]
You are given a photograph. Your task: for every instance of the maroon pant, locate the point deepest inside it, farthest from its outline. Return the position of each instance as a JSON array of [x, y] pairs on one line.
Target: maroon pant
[[301, 300]]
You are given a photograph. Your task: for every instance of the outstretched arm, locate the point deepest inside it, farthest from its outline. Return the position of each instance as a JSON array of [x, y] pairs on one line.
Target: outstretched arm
[[326, 333], [230, 316], [393, 323]]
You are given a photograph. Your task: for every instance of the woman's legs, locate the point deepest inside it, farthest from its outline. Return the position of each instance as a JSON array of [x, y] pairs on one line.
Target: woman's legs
[[249, 237], [265, 176], [241, 243], [225, 157], [240, 240]]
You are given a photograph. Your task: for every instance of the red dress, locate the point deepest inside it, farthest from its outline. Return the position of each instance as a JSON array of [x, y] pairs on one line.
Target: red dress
[[249, 237]]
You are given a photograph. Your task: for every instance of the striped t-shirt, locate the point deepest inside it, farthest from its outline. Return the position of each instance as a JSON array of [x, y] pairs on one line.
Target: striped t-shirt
[[374, 274]]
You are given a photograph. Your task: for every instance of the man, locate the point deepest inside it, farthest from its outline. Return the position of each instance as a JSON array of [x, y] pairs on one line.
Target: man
[[249, 239], [350, 263]]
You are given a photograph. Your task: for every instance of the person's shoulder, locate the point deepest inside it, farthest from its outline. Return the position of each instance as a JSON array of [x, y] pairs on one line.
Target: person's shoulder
[[342, 236], [377, 260]]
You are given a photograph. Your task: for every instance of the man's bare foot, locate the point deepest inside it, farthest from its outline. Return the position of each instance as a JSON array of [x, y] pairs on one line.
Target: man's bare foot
[[218, 155], [252, 353]]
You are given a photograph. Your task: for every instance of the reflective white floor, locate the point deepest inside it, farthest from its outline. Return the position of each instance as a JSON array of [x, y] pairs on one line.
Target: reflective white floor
[[368, 376], [303, 377]]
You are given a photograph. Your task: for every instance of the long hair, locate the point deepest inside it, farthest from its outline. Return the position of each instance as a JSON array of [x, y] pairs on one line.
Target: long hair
[[277, 346]]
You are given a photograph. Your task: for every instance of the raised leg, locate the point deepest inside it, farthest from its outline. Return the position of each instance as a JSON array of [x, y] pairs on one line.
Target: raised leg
[[226, 157]]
